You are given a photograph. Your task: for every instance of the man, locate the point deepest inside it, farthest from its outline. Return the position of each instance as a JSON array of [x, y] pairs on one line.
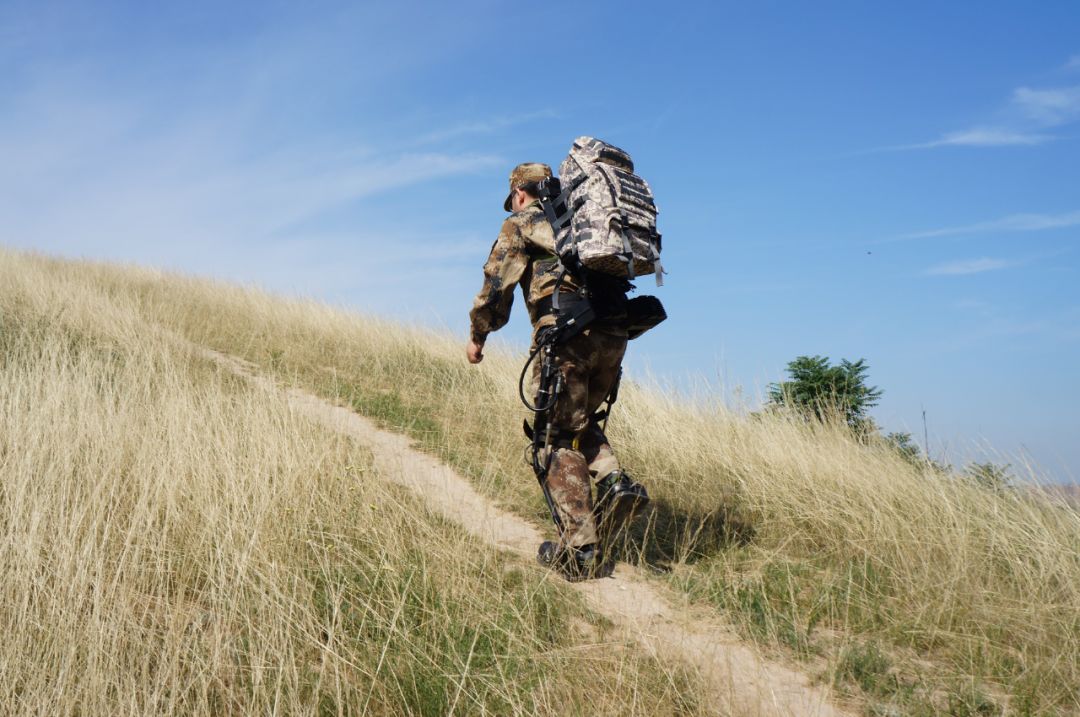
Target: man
[[524, 254]]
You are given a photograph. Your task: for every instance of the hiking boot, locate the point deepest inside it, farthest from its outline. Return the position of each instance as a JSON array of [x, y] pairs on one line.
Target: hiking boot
[[574, 564], [618, 499]]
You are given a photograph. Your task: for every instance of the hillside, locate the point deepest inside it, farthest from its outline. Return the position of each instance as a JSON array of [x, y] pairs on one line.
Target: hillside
[[181, 539]]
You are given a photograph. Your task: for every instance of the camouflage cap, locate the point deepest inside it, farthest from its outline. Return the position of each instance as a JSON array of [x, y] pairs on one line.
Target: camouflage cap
[[526, 174]]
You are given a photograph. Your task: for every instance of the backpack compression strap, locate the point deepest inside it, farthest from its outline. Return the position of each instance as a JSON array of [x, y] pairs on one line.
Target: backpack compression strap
[[658, 268]]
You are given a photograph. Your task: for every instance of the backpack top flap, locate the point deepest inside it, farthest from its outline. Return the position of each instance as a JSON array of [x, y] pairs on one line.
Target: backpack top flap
[[592, 151], [611, 225]]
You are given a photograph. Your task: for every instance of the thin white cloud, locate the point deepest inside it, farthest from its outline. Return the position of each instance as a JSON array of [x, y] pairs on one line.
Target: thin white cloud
[[185, 184], [1049, 107], [98, 162], [1022, 121], [482, 127], [982, 137], [967, 266], [1011, 223]]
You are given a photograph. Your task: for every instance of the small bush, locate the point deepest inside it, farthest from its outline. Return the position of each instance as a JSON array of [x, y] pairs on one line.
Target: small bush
[[820, 391], [990, 475]]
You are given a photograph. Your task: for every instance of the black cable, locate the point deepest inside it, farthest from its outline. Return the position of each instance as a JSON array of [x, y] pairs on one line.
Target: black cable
[[521, 383], [545, 339]]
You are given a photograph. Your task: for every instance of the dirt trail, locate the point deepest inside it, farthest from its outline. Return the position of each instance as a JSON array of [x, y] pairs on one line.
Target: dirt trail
[[743, 682]]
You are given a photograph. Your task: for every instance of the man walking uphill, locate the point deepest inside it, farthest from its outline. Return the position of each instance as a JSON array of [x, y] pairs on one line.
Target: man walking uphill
[[588, 363]]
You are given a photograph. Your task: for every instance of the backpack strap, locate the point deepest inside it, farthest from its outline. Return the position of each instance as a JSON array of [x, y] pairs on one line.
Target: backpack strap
[[658, 268], [556, 222], [551, 203], [628, 251], [558, 287]]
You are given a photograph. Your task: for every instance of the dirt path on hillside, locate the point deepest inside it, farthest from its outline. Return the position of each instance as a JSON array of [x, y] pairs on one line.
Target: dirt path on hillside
[[662, 622]]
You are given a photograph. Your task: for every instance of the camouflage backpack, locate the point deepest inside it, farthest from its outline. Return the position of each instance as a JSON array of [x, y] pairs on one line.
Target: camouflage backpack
[[603, 216]]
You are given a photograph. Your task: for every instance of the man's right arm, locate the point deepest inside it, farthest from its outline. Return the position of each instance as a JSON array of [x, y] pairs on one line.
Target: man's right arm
[[502, 272]]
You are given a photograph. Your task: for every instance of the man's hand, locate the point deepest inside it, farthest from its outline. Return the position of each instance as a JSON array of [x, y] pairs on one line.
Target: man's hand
[[475, 351]]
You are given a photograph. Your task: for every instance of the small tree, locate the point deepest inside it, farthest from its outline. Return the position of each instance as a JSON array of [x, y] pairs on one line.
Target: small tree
[[903, 444], [990, 475], [906, 447], [819, 391]]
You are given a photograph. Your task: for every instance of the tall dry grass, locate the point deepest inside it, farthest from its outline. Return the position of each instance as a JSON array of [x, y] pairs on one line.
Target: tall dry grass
[[174, 540], [915, 588]]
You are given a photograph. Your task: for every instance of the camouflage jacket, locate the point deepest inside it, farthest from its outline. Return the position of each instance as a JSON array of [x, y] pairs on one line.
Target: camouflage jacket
[[523, 254]]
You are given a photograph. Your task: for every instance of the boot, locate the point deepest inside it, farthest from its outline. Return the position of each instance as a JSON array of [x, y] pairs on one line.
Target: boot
[[574, 564], [618, 499]]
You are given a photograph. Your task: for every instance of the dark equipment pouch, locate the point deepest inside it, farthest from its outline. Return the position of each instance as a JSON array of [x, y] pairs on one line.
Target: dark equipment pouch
[[642, 314]]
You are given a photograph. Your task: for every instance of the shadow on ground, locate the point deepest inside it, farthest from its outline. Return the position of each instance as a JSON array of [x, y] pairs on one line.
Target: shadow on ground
[[665, 534]]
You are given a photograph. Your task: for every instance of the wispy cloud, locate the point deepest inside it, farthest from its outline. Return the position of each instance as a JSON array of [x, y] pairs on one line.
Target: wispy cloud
[[982, 137], [1011, 223], [1073, 64], [220, 174], [967, 266], [483, 127], [106, 182], [1022, 122], [1049, 107]]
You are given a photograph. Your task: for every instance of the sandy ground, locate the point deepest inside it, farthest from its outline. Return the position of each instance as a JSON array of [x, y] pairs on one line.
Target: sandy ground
[[743, 682]]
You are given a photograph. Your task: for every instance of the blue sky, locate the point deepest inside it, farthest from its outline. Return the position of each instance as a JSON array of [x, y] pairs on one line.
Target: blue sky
[[896, 182]]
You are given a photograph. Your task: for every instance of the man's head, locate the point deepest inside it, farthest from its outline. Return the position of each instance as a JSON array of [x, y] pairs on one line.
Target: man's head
[[523, 176]]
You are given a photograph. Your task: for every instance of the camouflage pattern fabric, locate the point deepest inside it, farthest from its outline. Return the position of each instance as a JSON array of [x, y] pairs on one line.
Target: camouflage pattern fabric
[[613, 226], [589, 363], [571, 492], [523, 254], [523, 174]]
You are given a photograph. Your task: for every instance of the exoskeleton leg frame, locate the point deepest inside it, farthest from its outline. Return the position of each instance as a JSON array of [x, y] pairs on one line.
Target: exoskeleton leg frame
[[542, 432]]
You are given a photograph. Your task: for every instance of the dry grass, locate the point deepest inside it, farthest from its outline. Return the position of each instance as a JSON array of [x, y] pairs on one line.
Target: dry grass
[[914, 588], [177, 541]]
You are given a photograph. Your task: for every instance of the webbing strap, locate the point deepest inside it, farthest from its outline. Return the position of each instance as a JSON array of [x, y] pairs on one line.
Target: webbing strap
[[549, 210], [563, 200], [658, 268], [558, 285], [549, 204], [628, 250]]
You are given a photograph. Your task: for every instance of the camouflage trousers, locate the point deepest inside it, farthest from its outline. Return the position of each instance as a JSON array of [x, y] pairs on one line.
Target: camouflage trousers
[[589, 363]]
